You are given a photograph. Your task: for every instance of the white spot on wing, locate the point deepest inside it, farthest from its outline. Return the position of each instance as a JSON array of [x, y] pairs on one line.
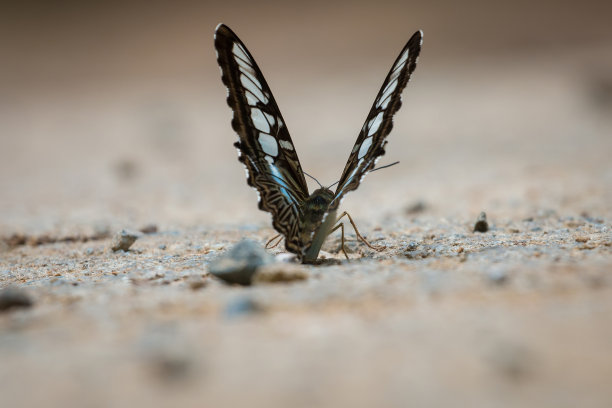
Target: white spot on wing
[[402, 59], [251, 99], [394, 75], [259, 120], [239, 52], [384, 104], [250, 86], [365, 146], [375, 123], [286, 144], [250, 76], [268, 144], [388, 90], [243, 64], [270, 119], [242, 48]]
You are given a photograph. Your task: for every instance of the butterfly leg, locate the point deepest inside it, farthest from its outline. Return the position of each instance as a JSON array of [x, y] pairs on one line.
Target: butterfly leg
[[362, 239], [340, 225], [272, 239]]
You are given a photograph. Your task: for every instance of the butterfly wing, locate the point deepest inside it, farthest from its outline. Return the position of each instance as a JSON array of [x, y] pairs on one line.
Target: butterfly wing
[[264, 146], [371, 141]]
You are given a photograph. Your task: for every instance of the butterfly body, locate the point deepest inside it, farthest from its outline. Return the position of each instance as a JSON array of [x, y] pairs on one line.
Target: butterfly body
[[267, 151], [316, 223]]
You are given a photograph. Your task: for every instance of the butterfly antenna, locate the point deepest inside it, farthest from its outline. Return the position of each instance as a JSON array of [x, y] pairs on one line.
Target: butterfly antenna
[[313, 179], [378, 168], [333, 184], [384, 167]]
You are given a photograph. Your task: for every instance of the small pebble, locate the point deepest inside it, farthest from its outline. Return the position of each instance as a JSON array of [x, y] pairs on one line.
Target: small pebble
[[239, 263], [149, 229], [412, 246], [418, 254], [124, 240], [481, 224], [497, 276], [162, 246], [196, 282], [14, 298], [241, 307], [169, 367], [416, 207]]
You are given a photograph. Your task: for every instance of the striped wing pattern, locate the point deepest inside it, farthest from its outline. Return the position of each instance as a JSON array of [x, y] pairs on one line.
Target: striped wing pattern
[[370, 144], [264, 145]]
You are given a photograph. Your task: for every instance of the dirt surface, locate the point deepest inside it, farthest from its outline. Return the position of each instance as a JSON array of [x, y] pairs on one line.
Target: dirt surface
[[519, 315]]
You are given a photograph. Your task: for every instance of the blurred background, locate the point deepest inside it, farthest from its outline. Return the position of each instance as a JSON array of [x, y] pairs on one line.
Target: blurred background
[[114, 112]]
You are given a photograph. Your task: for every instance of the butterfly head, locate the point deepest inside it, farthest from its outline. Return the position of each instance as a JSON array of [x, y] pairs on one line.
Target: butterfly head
[[315, 206], [319, 200]]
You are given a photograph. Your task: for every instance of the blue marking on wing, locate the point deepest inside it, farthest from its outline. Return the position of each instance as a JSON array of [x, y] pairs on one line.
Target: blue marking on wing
[[284, 188]]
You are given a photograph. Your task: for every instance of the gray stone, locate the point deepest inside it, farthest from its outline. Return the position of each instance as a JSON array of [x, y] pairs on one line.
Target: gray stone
[[412, 246], [241, 307], [239, 263], [481, 224], [124, 240]]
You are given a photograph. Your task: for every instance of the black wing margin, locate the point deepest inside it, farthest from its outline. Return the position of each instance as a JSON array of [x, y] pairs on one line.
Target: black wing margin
[[264, 146], [371, 141]]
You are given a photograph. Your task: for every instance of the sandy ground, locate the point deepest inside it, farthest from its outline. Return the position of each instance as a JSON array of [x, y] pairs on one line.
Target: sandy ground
[[518, 316]]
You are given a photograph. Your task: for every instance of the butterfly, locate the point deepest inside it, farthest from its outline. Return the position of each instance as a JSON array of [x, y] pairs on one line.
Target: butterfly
[[267, 151]]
